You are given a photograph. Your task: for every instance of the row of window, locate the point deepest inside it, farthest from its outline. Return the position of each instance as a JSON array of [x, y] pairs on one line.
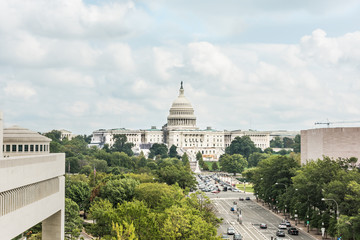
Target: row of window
[[25, 148], [199, 145]]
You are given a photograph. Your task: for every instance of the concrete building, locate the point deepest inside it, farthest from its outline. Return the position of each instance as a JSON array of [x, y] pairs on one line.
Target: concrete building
[[342, 142], [181, 130], [23, 142], [32, 188], [66, 134]]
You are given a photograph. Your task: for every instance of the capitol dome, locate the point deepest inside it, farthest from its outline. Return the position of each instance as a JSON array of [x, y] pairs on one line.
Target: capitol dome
[[181, 113]]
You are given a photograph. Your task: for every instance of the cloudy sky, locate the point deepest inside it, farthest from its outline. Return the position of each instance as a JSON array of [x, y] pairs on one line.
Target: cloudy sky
[[83, 65]]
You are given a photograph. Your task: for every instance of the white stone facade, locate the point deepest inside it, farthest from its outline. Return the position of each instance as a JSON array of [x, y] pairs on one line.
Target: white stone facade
[[66, 134], [343, 142], [19, 141], [181, 131], [32, 190]]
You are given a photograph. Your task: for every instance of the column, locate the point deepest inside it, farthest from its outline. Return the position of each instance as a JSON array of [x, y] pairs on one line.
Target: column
[[53, 227]]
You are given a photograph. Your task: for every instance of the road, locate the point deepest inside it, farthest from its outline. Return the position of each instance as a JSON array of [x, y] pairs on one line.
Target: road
[[252, 215]]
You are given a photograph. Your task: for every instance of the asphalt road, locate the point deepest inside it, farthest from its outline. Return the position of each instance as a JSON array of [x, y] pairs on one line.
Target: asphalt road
[[252, 215]]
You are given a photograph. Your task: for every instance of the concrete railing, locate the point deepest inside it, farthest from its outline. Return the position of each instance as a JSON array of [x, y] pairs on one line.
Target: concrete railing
[[18, 171], [20, 197]]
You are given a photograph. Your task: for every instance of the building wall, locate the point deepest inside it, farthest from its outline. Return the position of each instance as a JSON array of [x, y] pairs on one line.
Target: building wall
[[32, 191], [1, 135], [331, 142]]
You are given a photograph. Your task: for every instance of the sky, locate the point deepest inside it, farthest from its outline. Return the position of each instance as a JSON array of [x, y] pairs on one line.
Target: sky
[[83, 65]]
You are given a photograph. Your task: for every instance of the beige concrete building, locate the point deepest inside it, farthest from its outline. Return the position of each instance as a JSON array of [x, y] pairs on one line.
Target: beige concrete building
[[343, 142], [23, 142], [66, 134], [32, 188], [181, 130]]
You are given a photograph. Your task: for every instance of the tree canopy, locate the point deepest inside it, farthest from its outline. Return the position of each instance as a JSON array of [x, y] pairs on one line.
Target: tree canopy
[[241, 145]]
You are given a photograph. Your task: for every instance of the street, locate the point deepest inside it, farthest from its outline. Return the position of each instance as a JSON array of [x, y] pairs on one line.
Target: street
[[252, 215]]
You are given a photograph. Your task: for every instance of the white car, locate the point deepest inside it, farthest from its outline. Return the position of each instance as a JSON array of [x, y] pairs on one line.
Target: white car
[[230, 231], [282, 226]]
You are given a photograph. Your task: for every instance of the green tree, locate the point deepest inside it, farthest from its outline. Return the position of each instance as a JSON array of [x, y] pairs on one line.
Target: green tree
[[143, 219], [73, 222], [232, 164], [173, 152], [200, 159], [297, 143], [121, 144], [119, 190], [172, 173], [124, 231], [158, 149], [275, 169], [78, 191], [214, 166], [185, 160], [242, 145], [255, 158], [288, 142], [158, 195], [182, 223], [276, 142], [104, 215]]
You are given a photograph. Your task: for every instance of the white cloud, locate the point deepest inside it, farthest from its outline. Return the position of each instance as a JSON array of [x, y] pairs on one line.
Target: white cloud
[[320, 48], [208, 60], [165, 61], [117, 56], [107, 60], [68, 77], [78, 108], [115, 107], [19, 90]]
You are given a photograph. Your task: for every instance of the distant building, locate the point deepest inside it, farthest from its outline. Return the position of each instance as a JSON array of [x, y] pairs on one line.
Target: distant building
[[342, 142], [181, 131], [66, 134], [32, 184]]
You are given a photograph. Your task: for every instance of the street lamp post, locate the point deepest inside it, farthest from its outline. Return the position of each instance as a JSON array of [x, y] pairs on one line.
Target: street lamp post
[[337, 207], [285, 192]]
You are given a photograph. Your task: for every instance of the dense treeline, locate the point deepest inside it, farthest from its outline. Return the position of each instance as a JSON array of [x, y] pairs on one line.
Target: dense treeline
[[132, 197], [316, 192]]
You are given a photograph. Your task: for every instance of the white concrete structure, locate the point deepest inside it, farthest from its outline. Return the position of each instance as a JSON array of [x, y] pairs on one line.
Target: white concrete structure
[[181, 131], [66, 134], [342, 142], [32, 190], [19, 141]]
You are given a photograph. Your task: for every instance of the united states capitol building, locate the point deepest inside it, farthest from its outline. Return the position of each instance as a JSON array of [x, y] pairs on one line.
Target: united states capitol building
[[181, 131]]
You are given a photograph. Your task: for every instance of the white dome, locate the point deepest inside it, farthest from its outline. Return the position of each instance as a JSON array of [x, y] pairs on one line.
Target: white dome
[[181, 113]]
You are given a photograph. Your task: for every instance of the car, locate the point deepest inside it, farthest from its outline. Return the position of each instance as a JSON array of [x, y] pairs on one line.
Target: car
[[288, 224], [215, 191], [247, 198], [293, 231], [263, 225], [241, 199], [282, 226], [230, 231], [280, 233], [237, 236], [225, 236]]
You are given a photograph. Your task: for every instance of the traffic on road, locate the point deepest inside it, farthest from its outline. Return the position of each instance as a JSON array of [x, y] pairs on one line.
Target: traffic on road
[[243, 217]]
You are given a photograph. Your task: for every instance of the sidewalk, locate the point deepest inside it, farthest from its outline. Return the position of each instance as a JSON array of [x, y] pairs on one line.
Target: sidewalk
[[300, 226]]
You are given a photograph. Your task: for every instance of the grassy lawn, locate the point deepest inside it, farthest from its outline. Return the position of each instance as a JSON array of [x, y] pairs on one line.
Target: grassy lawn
[[248, 187], [210, 164]]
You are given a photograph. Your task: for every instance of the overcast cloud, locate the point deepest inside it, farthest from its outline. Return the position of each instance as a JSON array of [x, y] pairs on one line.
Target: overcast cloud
[[266, 65]]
